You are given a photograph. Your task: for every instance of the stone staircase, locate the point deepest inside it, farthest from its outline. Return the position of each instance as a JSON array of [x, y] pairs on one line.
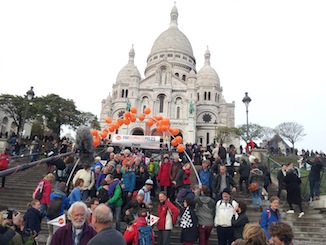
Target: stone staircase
[[310, 229]]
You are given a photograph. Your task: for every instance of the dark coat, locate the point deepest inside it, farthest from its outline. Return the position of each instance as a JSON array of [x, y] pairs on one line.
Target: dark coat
[[190, 234], [244, 170], [229, 182], [63, 235], [239, 224], [292, 183], [316, 168], [33, 219]]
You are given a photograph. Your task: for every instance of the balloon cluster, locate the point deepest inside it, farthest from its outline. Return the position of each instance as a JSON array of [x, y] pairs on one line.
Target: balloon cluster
[[162, 125]]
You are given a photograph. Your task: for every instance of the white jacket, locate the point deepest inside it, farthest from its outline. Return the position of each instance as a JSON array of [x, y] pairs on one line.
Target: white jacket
[[224, 213]]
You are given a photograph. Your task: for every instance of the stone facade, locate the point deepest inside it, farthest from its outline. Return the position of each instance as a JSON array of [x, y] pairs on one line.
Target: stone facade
[[172, 88]]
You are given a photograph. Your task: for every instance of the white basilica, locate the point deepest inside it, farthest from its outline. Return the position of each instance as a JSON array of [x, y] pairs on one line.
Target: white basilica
[[172, 88]]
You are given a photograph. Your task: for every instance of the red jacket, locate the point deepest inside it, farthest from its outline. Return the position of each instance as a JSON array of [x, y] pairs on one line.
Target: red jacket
[[187, 181], [47, 189], [132, 236], [162, 210], [4, 161], [163, 174]]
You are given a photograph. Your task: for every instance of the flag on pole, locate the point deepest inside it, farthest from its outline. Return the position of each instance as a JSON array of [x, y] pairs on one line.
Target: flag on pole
[[58, 221], [152, 220]]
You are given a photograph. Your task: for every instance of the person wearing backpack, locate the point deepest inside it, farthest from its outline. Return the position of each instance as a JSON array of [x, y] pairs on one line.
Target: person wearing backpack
[[45, 192], [270, 215], [225, 208], [153, 168], [140, 233], [59, 202]]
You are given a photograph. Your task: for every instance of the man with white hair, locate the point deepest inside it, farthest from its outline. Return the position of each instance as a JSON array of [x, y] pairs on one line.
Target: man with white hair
[[78, 232], [101, 220]]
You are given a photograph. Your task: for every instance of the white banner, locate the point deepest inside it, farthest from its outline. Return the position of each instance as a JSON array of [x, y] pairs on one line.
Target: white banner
[[146, 142], [59, 221]]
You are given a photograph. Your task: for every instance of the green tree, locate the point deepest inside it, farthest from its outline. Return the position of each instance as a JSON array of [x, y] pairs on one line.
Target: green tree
[[57, 111], [291, 131], [90, 120], [16, 107], [224, 133], [255, 131]]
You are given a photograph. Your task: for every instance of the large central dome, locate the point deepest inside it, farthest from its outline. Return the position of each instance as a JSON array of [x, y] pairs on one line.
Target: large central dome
[[172, 45], [172, 40]]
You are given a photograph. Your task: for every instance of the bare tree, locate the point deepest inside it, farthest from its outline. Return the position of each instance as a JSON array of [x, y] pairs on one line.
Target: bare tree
[[291, 131], [267, 133]]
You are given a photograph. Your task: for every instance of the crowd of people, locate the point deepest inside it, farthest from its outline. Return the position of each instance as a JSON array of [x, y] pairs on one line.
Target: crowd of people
[[123, 185]]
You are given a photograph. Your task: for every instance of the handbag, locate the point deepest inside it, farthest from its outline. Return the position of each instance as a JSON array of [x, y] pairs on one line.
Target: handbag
[[253, 187]]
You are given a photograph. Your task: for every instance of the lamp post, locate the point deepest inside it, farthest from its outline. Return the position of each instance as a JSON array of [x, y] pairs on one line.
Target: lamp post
[[29, 96], [246, 100]]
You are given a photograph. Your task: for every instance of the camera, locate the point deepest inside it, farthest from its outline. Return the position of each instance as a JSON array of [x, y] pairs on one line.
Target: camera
[[9, 214]]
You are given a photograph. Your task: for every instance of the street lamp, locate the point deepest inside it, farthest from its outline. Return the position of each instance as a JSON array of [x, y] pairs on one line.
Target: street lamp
[[29, 96], [246, 100], [215, 138]]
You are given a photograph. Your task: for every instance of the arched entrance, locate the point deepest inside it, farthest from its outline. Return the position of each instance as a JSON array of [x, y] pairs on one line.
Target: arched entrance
[[138, 131]]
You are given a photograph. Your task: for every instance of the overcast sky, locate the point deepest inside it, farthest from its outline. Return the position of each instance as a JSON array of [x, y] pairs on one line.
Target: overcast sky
[[274, 50]]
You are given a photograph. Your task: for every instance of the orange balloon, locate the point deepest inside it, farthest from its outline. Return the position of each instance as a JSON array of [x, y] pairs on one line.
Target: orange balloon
[[133, 118], [159, 128], [141, 117], [178, 139], [126, 121], [127, 114], [103, 134], [116, 125], [120, 121], [111, 128], [166, 121], [94, 132], [174, 142], [180, 148], [147, 110], [174, 131], [96, 141], [108, 120], [165, 128], [150, 122], [133, 110]]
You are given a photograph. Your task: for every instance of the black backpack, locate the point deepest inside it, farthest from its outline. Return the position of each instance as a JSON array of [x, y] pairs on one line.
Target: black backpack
[[103, 195], [54, 208]]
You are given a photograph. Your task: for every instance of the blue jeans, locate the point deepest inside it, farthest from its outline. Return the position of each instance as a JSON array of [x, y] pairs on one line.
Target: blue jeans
[[314, 187], [117, 214], [43, 209], [256, 197]]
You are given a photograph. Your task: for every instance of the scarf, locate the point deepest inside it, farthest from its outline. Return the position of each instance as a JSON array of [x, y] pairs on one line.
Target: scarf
[[186, 221]]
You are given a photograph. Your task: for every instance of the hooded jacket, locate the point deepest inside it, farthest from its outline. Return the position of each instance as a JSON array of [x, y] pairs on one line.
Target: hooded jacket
[[162, 210], [132, 236], [205, 210]]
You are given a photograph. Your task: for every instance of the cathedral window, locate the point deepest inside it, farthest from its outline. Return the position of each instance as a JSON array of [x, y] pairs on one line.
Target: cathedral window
[[161, 103], [218, 98], [207, 118], [122, 93], [209, 95], [207, 139], [178, 112], [205, 95], [170, 55], [162, 55], [184, 57], [177, 56], [176, 74], [184, 77], [144, 108], [155, 57], [197, 96], [126, 93]]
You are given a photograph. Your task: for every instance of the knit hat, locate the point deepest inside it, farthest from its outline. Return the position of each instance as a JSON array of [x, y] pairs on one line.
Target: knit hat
[[149, 182], [227, 190]]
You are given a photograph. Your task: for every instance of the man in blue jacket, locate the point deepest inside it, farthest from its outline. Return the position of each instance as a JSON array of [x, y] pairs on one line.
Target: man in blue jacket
[[128, 184]]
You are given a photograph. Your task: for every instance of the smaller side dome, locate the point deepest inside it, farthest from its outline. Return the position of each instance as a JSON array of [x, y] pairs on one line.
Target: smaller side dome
[[207, 76], [130, 69]]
